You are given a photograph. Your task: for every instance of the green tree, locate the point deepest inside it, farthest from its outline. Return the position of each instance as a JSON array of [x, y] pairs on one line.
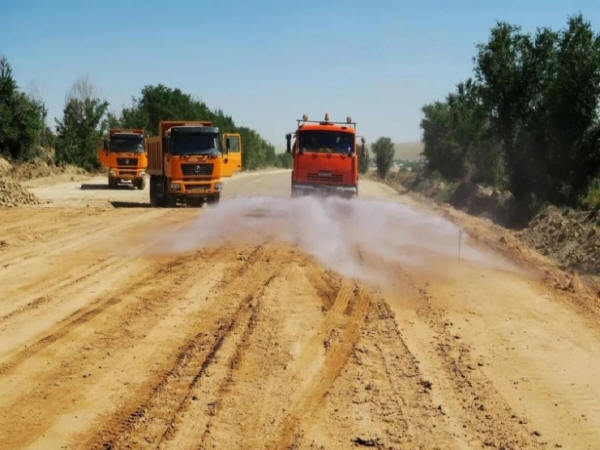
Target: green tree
[[363, 157], [21, 118], [82, 126], [160, 102], [284, 160], [256, 152], [383, 149], [541, 93], [571, 135], [441, 150], [528, 120], [458, 140]]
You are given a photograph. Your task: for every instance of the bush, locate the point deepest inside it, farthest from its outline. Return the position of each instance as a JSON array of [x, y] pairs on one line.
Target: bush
[[591, 200]]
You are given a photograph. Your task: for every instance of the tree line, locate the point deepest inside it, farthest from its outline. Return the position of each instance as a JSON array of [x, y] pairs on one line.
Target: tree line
[[86, 119], [527, 120], [22, 118]]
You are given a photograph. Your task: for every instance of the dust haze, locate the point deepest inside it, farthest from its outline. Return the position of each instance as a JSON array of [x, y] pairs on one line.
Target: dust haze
[[357, 238]]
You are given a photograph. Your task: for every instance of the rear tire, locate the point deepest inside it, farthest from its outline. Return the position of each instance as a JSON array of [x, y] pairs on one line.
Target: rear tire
[[157, 191]]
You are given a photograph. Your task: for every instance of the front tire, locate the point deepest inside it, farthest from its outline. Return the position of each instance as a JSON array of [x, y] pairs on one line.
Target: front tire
[[140, 183], [214, 199], [112, 183]]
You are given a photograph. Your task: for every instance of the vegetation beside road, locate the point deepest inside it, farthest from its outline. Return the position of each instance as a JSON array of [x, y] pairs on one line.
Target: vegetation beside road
[[527, 122], [24, 135]]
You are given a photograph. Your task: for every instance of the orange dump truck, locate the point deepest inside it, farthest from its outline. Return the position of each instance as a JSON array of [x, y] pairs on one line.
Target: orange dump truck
[[186, 162], [124, 156], [325, 160]]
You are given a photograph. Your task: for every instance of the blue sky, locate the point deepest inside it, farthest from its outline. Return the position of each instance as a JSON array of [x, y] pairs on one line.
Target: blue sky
[[266, 63]]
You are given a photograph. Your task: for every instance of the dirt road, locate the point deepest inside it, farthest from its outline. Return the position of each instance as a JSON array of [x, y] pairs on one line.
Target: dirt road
[[121, 328]]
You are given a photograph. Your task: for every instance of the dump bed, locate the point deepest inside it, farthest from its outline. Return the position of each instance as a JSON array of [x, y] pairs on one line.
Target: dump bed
[[155, 155]]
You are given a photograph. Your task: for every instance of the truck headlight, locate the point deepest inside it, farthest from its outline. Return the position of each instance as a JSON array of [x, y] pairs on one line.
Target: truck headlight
[[112, 172], [218, 186], [142, 173], [175, 186]]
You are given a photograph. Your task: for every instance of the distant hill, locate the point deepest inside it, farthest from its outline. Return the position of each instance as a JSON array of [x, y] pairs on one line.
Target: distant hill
[[408, 151]]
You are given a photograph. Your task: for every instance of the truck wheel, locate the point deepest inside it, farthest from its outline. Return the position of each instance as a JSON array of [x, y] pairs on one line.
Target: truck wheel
[[112, 183], [214, 199], [157, 194], [140, 183]]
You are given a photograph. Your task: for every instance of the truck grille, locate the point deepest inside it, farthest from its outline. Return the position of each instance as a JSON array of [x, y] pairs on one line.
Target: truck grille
[[197, 187], [127, 161], [197, 169], [332, 178]]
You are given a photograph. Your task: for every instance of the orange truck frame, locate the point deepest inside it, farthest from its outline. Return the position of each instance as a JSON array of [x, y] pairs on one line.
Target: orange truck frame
[[124, 156], [325, 159], [187, 160]]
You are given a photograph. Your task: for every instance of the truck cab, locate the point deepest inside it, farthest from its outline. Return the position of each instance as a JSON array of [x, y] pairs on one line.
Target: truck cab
[[324, 155], [124, 155]]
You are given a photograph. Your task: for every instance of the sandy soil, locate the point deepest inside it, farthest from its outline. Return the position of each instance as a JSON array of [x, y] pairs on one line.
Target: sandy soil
[[110, 340]]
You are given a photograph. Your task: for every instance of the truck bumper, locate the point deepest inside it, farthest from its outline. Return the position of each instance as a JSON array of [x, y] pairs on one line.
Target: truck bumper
[[194, 189], [120, 175], [299, 189]]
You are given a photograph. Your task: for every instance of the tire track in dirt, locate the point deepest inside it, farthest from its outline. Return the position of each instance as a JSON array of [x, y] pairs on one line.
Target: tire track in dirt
[[51, 286], [379, 399], [468, 396], [234, 344], [338, 334], [89, 336], [43, 296], [81, 235], [153, 419], [78, 318]]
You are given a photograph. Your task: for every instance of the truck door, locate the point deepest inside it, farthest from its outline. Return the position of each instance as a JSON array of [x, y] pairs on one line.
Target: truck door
[[232, 155]]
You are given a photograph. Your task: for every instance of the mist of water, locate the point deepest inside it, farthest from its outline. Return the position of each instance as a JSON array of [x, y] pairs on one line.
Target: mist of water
[[354, 237]]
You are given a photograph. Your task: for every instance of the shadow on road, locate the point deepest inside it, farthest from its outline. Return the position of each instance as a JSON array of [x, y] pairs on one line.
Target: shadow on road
[[104, 187], [94, 187], [130, 204]]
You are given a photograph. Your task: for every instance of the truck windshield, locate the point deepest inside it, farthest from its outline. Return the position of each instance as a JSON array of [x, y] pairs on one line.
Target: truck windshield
[[326, 142], [195, 143], [127, 143]]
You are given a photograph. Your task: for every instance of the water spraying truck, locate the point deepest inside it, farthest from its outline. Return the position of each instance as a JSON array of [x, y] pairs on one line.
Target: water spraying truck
[[186, 162], [325, 160], [124, 156]]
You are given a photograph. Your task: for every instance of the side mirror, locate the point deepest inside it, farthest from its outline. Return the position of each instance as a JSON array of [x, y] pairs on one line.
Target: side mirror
[[105, 145], [288, 138]]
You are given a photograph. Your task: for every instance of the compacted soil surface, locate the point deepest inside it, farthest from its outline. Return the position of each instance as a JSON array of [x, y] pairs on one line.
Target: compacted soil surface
[[111, 337]]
